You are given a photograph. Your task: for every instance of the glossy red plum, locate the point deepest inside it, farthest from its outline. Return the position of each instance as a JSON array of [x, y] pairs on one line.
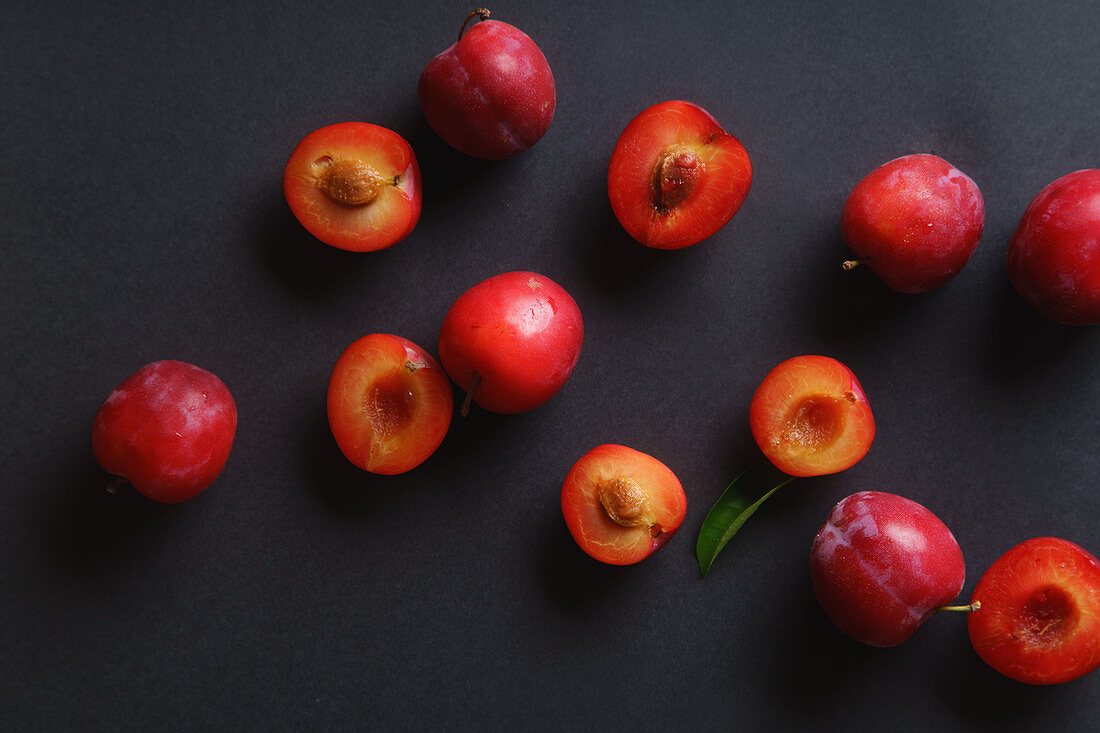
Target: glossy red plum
[[512, 341], [882, 564], [491, 94], [168, 429], [1054, 255], [676, 177], [621, 505], [1039, 620], [915, 221]]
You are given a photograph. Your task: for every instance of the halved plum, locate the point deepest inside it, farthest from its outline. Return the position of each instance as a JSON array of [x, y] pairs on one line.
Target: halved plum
[[676, 177], [810, 417], [621, 505], [389, 404], [355, 186], [1039, 620]]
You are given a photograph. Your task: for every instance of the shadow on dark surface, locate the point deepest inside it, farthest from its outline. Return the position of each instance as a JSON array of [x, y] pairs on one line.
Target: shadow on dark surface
[[576, 583], [1021, 341], [819, 661], [988, 700], [850, 307], [618, 264], [306, 266], [91, 529]]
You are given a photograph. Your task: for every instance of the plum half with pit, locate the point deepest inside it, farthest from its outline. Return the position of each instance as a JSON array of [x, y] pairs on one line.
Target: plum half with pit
[[882, 564], [491, 94], [676, 176], [1054, 255], [354, 185], [167, 429], [915, 221], [621, 505]]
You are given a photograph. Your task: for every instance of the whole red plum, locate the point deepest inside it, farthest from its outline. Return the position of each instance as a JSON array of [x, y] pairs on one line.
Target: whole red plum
[[511, 341], [491, 94], [882, 564], [1054, 255], [915, 221], [167, 428]]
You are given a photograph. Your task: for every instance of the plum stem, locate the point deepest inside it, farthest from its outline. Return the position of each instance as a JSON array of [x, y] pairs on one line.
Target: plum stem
[[117, 483], [853, 264], [482, 13], [967, 608], [465, 409]]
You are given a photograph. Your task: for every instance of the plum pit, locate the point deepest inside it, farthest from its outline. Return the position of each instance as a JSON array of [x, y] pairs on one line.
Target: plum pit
[[625, 502], [348, 182], [675, 177]]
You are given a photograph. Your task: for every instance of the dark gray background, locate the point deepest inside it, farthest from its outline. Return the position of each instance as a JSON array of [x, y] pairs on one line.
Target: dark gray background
[[143, 219]]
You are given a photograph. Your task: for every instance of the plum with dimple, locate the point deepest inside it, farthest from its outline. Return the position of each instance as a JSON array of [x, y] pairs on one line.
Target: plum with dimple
[[915, 221], [168, 429], [491, 94], [882, 564]]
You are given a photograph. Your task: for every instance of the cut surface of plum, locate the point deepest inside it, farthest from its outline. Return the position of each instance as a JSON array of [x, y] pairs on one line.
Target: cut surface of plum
[[622, 505], [810, 417], [389, 404], [676, 177], [354, 186]]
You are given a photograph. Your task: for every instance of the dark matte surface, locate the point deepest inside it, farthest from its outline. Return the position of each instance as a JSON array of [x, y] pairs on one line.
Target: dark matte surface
[[143, 219]]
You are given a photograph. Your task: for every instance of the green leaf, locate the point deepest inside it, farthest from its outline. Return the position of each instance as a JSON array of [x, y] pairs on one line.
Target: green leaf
[[737, 503]]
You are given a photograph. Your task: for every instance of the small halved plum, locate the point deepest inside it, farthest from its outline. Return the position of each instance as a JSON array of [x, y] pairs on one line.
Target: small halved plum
[[621, 505], [354, 186], [810, 417], [389, 404], [676, 177]]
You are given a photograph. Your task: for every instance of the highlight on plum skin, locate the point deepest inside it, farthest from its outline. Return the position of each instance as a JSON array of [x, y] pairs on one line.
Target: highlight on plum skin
[[882, 564], [1054, 255], [810, 417], [354, 186], [915, 221], [491, 94], [389, 404], [1039, 620], [621, 505], [676, 176], [511, 341], [167, 429]]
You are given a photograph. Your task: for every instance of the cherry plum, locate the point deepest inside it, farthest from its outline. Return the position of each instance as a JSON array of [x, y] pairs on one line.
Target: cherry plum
[[621, 505], [168, 429], [1054, 255], [915, 221], [511, 341], [882, 564], [491, 94]]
